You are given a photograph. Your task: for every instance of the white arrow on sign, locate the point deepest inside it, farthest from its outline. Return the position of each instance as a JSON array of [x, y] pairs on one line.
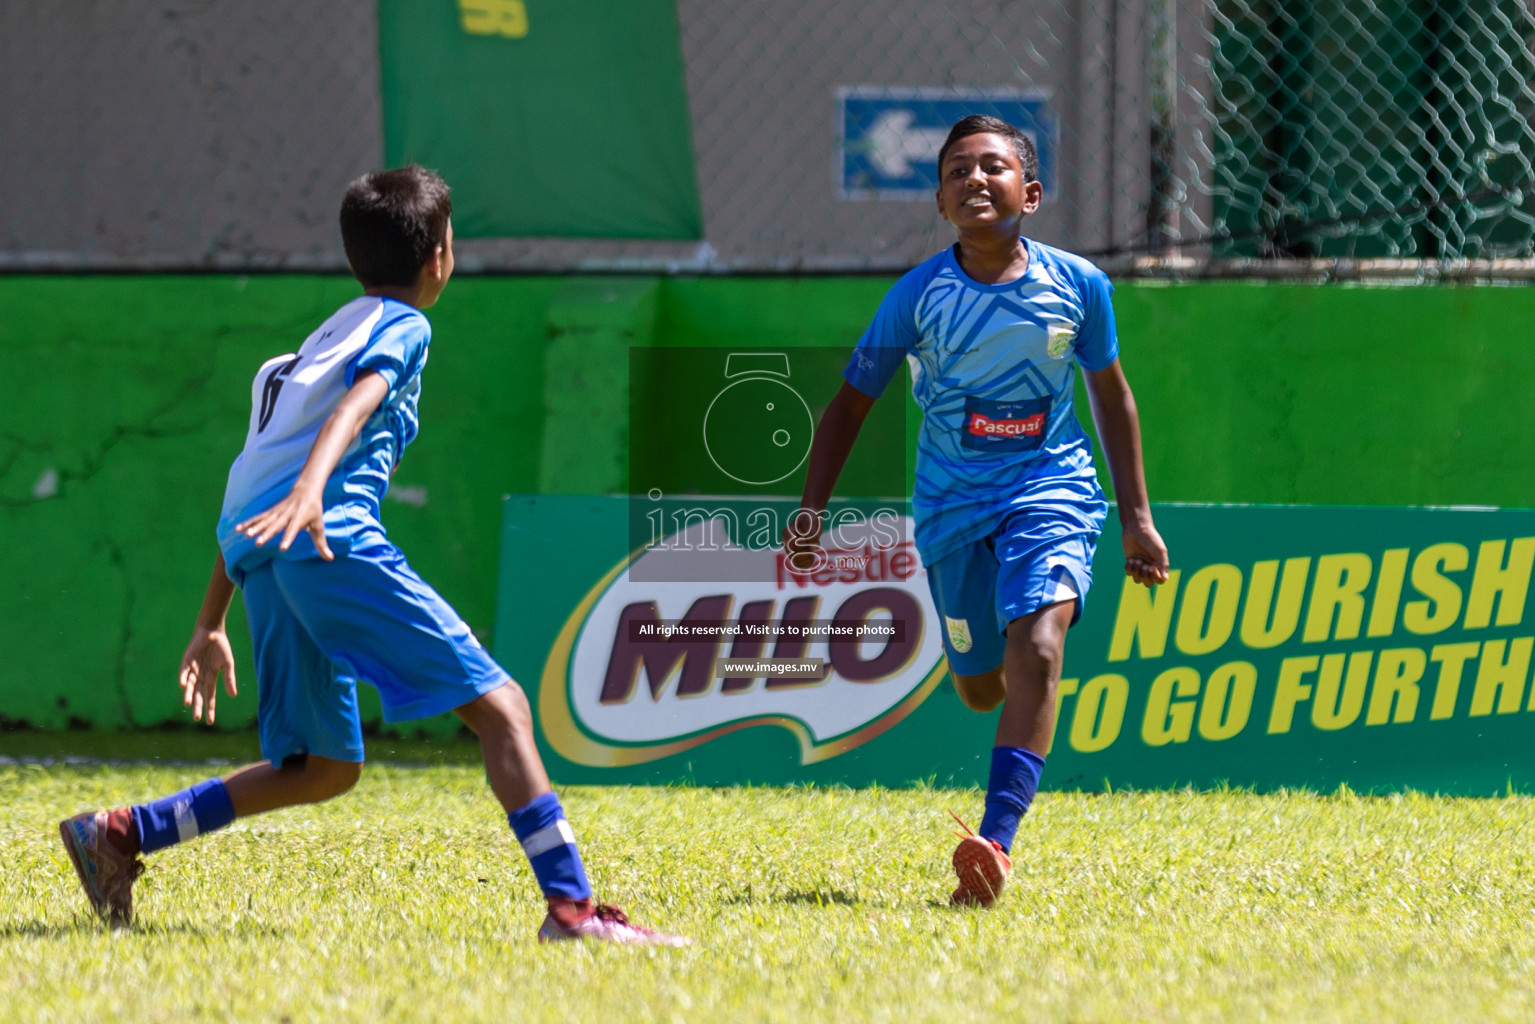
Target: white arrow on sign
[[894, 145]]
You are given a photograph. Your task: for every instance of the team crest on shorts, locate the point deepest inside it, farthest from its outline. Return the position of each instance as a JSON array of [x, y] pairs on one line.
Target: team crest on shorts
[[1060, 339], [959, 634]]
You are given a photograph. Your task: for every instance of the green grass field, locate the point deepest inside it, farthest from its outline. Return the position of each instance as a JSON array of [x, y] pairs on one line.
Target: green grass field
[[407, 899]]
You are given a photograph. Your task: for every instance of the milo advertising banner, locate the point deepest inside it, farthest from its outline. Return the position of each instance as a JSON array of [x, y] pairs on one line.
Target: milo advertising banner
[[665, 640]]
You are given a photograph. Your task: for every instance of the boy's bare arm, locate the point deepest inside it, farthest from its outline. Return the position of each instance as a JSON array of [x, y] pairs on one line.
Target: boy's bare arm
[[834, 437], [1119, 430], [304, 508], [208, 653]]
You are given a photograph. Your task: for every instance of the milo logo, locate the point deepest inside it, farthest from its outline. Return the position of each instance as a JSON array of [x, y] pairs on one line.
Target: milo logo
[[644, 670]]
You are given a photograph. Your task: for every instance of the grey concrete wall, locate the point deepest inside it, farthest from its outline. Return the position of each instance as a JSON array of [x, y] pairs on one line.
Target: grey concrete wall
[[220, 133], [183, 131]]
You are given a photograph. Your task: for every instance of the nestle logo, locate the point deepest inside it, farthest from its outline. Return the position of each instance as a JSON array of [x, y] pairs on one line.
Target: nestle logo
[[870, 564], [981, 425]]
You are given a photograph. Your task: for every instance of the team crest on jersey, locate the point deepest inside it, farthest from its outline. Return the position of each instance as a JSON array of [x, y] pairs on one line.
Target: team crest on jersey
[[959, 634], [1060, 338]]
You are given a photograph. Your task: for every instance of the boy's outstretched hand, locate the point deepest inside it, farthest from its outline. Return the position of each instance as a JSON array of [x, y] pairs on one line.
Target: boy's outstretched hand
[[206, 656], [1145, 554], [300, 510]]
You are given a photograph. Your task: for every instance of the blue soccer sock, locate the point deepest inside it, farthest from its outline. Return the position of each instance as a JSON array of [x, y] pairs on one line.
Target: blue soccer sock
[[1014, 778], [551, 848], [182, 816]]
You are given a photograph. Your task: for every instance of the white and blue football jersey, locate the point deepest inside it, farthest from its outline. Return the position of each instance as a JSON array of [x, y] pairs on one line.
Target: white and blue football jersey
[[291, 399], [992, 369]]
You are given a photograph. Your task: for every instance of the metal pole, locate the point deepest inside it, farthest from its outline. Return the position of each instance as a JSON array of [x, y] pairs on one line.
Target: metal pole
[[1162, 67]]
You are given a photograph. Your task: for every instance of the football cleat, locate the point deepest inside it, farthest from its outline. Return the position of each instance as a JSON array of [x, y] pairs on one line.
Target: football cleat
[[569, 920], [982, 867], [106, 868]]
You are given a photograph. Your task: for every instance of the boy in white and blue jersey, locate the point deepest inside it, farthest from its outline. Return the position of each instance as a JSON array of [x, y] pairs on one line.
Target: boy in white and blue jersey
[[1007, 502], [333, 601]]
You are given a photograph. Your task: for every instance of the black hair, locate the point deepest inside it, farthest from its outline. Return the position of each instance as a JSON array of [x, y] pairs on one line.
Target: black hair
[[392, 222], [985, 124]]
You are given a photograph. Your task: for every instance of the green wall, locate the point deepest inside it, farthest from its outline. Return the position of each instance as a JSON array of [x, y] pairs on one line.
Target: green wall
[[125, 399], [1334, 395]]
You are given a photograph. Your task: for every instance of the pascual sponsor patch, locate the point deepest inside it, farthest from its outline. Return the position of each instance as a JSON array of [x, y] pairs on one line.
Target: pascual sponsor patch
[[992, 426]]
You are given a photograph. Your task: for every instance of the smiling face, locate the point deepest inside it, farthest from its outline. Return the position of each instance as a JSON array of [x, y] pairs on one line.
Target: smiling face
[[982, 187]]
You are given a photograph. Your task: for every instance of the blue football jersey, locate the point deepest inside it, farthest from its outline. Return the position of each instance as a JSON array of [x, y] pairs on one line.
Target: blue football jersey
[[993, 369], [292, 397]]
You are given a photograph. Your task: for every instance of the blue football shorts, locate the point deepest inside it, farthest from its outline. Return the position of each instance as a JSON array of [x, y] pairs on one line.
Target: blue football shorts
[[319, 626], [1034, 559]]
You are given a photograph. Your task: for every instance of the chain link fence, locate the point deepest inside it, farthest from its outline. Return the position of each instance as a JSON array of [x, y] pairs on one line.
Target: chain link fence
[[1363, 130], [1265, 137]]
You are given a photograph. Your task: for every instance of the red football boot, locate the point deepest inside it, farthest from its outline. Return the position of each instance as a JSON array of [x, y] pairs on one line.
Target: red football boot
[[982, 867]]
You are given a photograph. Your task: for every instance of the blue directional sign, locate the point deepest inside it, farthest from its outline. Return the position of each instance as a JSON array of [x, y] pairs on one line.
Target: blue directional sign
[[890, 136]]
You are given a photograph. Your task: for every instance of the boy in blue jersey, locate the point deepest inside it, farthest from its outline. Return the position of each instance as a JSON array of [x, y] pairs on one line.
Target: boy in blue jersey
[[1007, 502], [333, 601]]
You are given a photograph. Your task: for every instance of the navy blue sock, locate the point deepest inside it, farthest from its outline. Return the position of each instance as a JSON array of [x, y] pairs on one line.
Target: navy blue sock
[[551, 848], [182, 816], [1014, 778]]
